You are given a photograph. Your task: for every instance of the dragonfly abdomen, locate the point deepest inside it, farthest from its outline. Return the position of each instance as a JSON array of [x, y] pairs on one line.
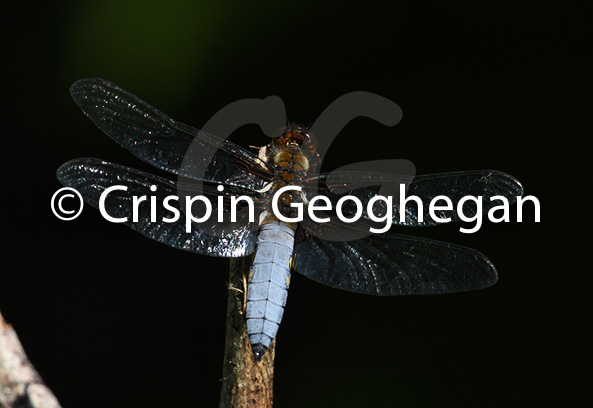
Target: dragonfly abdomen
[[269, 279]]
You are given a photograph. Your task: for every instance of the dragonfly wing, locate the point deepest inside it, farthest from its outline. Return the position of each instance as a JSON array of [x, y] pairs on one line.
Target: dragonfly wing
[[454, 185], [91, 177], [391, 264], [163, 142]]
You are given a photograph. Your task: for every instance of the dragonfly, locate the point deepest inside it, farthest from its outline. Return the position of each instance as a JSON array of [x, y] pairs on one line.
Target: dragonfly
[[335, 253]]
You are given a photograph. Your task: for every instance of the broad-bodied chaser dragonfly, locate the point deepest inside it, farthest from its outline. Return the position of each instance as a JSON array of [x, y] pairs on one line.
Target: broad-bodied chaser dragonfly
[[378, 264]]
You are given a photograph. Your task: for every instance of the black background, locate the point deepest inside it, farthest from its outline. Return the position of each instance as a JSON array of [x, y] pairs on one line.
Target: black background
[[112, 319]]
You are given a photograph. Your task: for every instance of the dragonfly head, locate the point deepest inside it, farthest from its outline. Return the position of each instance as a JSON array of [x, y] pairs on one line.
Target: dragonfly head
[[295, 137]]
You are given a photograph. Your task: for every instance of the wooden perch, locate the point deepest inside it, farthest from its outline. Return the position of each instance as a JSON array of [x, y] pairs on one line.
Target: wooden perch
[[20, 384], [245, 382]]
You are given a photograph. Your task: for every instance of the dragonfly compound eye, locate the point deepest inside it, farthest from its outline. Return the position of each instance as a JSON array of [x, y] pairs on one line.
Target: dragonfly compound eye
[[309, 142]]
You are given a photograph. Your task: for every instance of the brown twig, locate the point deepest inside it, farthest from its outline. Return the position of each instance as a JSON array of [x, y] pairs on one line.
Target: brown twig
[[245, 382], [20, 384]]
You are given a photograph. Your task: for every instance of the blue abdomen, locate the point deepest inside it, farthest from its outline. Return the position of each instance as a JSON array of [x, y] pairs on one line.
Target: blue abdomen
[[269, 279]]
